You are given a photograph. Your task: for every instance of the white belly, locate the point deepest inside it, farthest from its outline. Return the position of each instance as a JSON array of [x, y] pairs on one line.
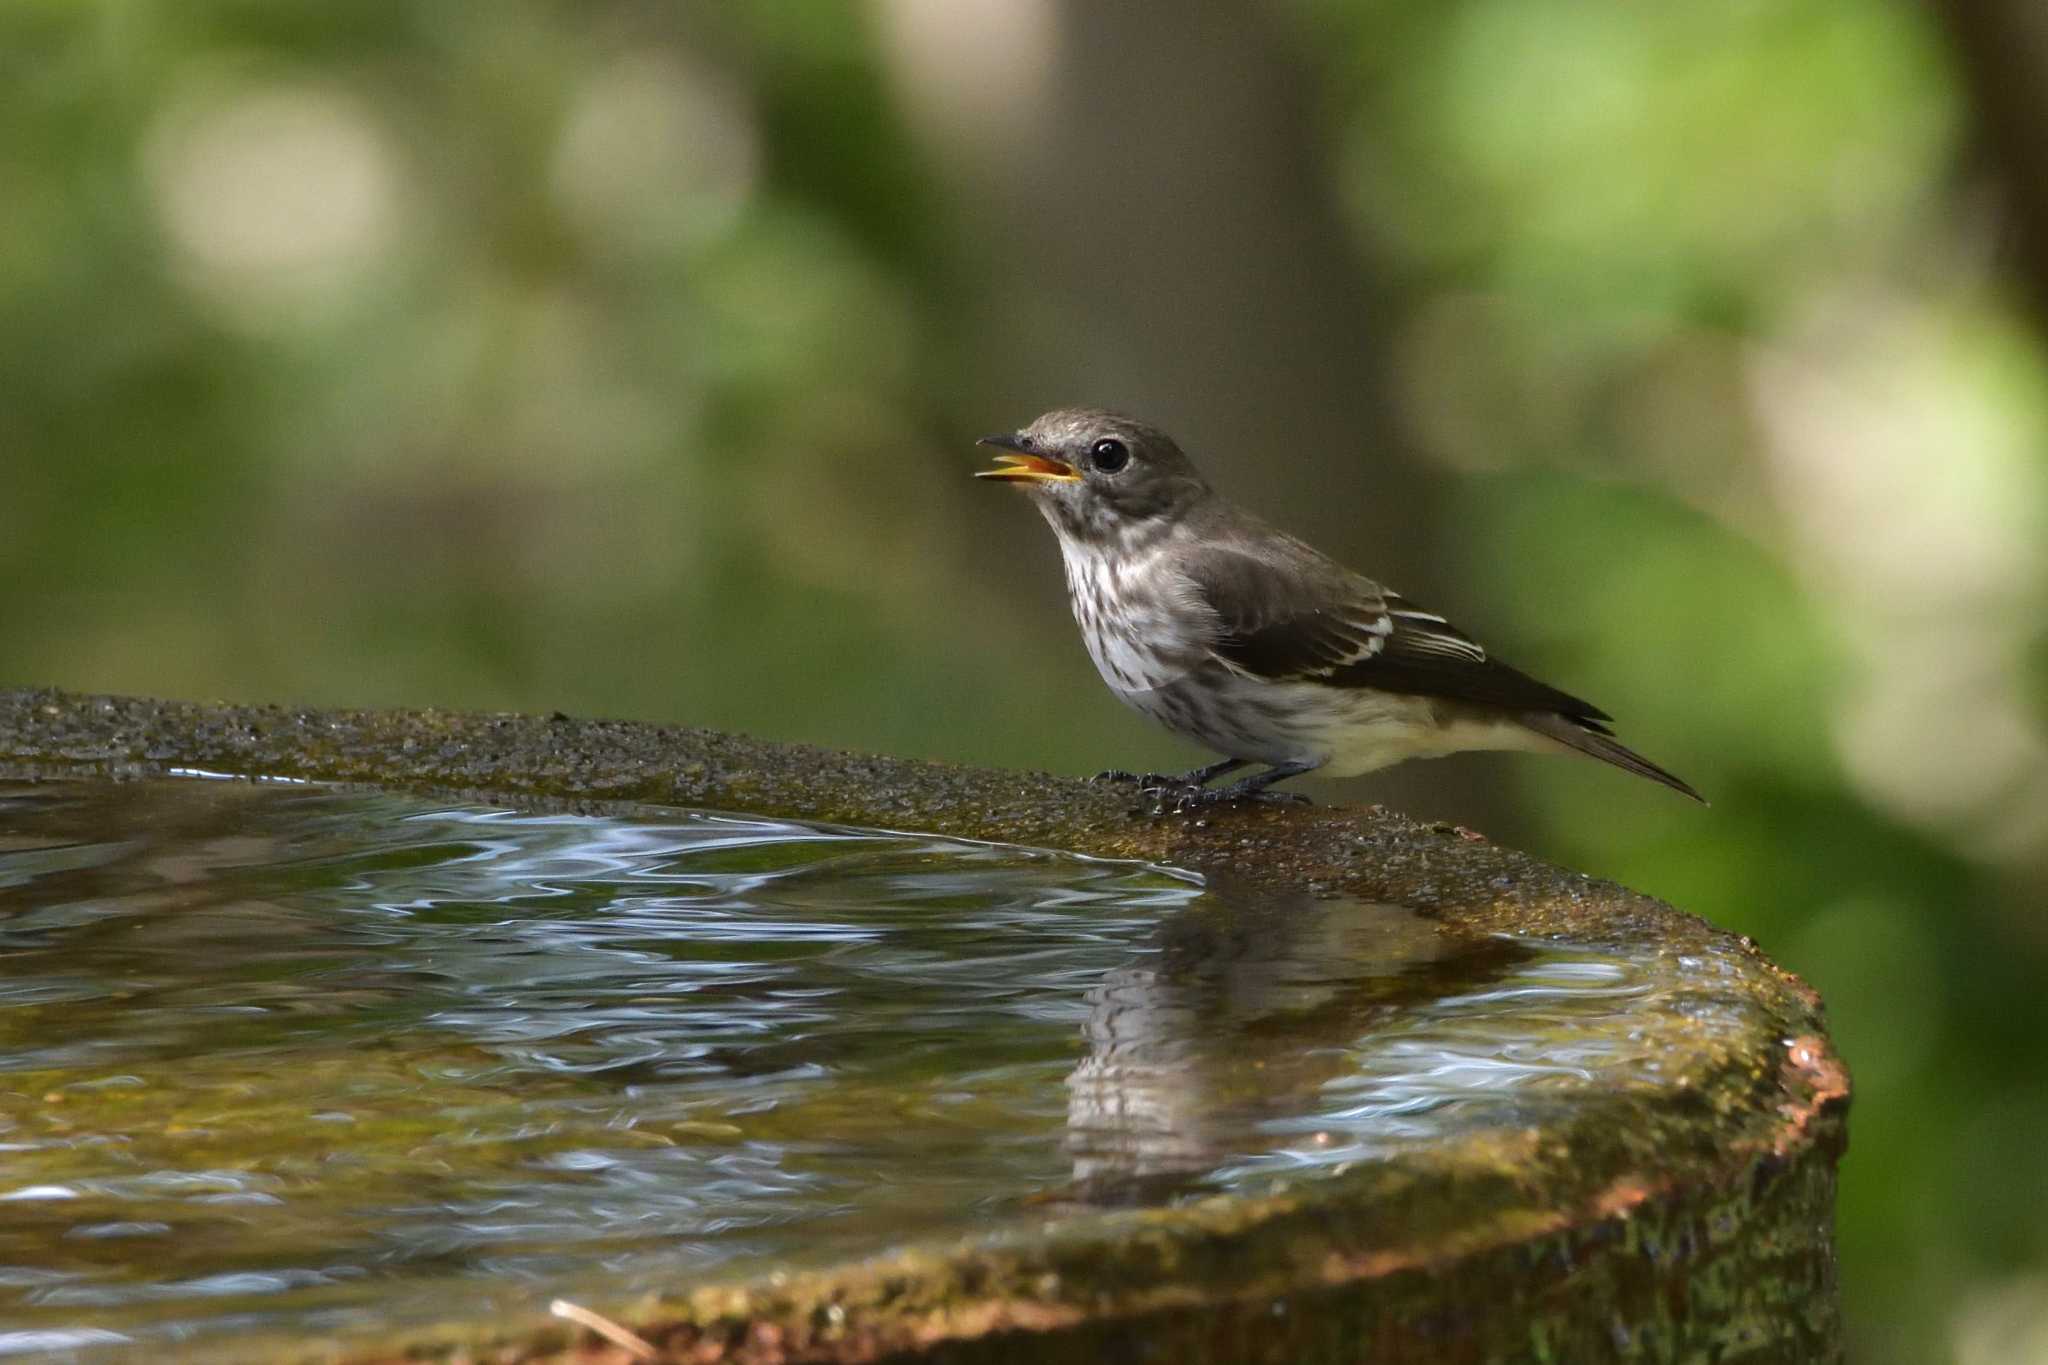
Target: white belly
[[1342, 733]]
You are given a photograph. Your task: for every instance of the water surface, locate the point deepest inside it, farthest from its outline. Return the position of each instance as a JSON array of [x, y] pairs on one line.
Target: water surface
[[286, 1058]]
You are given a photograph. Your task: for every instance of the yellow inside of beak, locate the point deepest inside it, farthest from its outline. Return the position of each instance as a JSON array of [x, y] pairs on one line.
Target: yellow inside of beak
[[1018, 468]]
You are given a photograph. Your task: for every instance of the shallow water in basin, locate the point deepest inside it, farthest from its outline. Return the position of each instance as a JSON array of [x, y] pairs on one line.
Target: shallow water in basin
[[282, 1058]]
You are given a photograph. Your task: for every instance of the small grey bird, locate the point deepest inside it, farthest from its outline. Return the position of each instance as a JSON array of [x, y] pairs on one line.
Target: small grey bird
[[1255, 645]]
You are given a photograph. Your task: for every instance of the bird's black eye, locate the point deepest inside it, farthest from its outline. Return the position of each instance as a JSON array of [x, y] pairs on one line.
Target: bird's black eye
[[1110, 455]]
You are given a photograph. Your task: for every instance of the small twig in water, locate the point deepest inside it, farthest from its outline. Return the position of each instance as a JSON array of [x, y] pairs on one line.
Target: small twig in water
[[638, 1346]]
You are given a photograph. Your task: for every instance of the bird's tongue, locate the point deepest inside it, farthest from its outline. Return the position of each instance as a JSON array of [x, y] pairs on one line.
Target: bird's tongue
[[1019, 466]]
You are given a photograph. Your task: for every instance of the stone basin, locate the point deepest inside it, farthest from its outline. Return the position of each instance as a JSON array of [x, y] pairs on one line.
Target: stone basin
[[1502, 1111]]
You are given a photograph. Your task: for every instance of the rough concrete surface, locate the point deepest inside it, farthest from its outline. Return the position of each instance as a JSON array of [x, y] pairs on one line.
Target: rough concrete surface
[[1705, 1235]]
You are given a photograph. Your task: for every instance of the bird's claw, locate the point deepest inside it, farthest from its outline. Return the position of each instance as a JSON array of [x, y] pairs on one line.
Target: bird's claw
[[1144, 782], [1185, 799]]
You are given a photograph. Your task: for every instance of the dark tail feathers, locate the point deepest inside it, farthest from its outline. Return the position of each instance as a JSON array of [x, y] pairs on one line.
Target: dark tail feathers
[[1596, 743]]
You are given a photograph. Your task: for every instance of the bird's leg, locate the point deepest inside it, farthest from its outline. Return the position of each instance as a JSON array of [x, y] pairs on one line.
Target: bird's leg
[[1250, 788], [1200, 777], [1165, 781]]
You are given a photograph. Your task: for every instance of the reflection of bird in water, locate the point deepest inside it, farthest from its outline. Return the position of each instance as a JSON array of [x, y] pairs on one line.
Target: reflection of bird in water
[[1246, 1009]]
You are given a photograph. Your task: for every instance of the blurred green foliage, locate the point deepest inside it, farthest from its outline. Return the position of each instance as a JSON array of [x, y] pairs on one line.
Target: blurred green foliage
[[623, 358]]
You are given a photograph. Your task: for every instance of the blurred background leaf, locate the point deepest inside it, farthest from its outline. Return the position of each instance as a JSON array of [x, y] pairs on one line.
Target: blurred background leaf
[[625, 358]]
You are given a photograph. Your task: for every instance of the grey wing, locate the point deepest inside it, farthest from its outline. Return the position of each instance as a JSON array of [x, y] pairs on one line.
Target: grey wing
[[1301, 617]]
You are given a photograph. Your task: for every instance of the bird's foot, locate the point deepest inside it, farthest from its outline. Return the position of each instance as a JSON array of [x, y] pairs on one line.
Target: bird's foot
[[1142, 781], [1184, 800], [1258, 787], [1155, 784]]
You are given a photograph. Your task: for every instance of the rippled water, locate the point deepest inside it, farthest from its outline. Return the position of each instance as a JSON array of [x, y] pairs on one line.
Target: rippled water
[[280, 1057]]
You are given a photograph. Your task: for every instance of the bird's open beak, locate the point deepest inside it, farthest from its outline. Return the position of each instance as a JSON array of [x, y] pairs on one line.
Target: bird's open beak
[[1021, 464]]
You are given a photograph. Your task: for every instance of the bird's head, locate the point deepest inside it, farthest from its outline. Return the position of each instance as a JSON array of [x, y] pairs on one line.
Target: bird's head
[[1097, 476]]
